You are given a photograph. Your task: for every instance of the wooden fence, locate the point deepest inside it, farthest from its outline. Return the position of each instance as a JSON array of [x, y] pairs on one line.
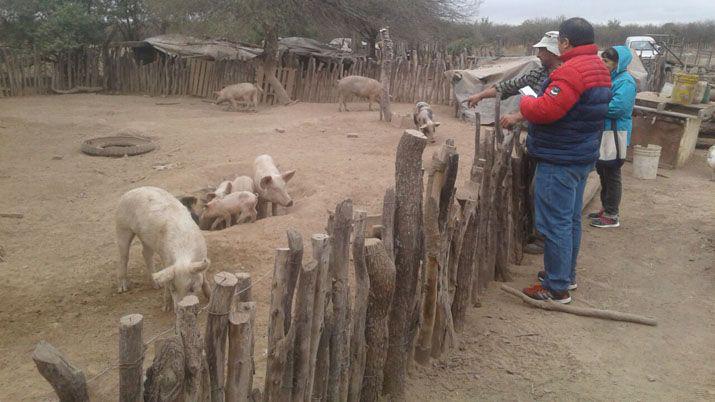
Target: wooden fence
[[311, 80], [418, 266]]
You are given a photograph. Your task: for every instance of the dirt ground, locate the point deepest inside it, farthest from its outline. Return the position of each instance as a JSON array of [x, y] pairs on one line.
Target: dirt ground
[[58, 278]]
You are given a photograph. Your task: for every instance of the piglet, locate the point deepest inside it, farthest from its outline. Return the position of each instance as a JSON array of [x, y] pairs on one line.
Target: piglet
[[423, 118], [233, 93], [243, 183], [223, 189], [241, 203]]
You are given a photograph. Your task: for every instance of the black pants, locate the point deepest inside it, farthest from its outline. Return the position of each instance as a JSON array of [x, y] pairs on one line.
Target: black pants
[[610, 188]]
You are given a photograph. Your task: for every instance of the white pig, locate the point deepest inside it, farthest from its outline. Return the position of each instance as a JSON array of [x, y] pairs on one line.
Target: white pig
[[244, 91], [240, 203], [270, 183], [361, 87], [224, 188], [423, 119], [164, 225], [243, 183]]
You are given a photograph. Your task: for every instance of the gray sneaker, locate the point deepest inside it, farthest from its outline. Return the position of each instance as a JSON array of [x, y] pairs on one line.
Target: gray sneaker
[[534, 248]]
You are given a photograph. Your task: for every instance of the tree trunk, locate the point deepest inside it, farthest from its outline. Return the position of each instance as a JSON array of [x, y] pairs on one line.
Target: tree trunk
[[239, 380], [275, 364], [131, 358], [270, 51], [381, 271], [408, 253]]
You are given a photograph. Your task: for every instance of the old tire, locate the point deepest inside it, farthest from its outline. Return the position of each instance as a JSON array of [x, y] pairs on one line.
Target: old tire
[[118, 146]]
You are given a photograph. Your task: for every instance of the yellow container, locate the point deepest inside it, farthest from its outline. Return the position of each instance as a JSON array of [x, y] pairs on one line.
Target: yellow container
[[684, 86]]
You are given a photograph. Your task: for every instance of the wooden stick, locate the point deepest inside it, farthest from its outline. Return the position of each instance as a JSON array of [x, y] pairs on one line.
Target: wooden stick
[[293, 269], [465, 265], [243, 288], [381, 271], [388, 222], [362, 293], [303, 321], [582, 311], [408, 254], [197, 385], [321, 255], [276, 359], [131, 358], [165, 377], [67, 380], [217, 330], [240, 354], [340, 338]]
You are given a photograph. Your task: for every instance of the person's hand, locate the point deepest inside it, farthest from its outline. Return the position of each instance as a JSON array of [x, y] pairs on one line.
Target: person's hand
[[474, 99], [510, 120]]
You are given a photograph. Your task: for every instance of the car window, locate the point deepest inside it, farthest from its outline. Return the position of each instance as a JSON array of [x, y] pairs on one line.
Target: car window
[[641, 45]]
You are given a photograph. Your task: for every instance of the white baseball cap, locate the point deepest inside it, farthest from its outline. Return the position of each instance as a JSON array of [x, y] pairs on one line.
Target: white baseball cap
[[550, 41]]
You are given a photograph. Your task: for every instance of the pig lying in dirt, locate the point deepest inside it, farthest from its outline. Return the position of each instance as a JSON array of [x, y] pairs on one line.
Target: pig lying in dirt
[[244, 91], [361, 87], [222, 209], [270, 183], [164, 226], [423, 118]]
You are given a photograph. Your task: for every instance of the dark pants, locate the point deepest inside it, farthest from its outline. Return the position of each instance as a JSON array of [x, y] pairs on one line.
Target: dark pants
[[558, 200], [610, 188]]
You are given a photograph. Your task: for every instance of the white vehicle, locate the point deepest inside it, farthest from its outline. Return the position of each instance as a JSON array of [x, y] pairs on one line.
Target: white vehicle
[[644, 46]]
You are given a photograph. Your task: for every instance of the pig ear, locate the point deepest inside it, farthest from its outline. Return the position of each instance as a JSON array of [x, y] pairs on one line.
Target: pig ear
[[265, 181], [198, 267], [422, 127], [436, 124], [164, 276], [288, 175], [229, 188], [210, 196]]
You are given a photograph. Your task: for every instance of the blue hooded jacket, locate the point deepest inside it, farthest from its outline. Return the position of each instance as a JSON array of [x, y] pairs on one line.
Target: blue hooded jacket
[[623, 92]]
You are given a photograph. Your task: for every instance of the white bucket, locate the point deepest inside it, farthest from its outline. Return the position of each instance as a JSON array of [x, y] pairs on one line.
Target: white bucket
[[645, 161]]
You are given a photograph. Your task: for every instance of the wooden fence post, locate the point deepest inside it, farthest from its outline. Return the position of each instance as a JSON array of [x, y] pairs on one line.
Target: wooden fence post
[[381, 271], [217, 330], [131, 358], [67, 380], [197, 384], [303, 321], [277, 348], [362, 293], [385, 69], [388, 222], [321, 255], [165, 377], [239, 379], [408, 253], [340, 338]]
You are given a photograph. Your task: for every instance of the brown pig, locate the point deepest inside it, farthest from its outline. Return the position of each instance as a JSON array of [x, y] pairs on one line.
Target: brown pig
[[244, 91], [361, 87]]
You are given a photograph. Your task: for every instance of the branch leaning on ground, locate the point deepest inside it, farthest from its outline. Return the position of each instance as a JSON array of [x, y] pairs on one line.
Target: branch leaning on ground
[[582, 311]]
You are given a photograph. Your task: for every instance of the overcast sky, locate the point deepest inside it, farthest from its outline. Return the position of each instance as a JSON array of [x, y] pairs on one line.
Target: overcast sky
[[627, 11]]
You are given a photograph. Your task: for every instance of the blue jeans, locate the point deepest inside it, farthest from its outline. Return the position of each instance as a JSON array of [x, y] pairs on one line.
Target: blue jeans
[[558, 198]]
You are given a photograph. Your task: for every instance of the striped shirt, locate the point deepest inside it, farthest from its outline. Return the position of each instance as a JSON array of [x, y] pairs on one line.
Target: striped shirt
[[533, 78]]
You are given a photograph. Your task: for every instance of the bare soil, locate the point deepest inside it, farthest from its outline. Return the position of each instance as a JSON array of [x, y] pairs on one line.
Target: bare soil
[[59, 283]]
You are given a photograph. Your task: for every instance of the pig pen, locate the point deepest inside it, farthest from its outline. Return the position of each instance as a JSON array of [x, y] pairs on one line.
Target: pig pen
[[60, 257]]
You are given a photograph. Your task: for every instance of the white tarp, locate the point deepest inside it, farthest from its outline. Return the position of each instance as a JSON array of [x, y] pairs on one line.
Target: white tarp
[[187, 46], [468, 82]]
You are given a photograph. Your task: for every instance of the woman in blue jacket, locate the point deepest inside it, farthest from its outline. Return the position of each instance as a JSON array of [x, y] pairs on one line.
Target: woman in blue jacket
[[616, 135]]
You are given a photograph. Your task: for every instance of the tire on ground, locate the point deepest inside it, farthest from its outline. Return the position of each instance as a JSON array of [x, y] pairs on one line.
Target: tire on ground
[[117, 146]]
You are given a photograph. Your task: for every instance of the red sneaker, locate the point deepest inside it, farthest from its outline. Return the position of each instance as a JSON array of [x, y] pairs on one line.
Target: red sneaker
[[538, 292], [596, 215], [541, 275]]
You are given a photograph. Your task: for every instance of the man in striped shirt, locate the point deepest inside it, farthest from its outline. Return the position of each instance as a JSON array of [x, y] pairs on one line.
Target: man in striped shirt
[[548, 54]]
